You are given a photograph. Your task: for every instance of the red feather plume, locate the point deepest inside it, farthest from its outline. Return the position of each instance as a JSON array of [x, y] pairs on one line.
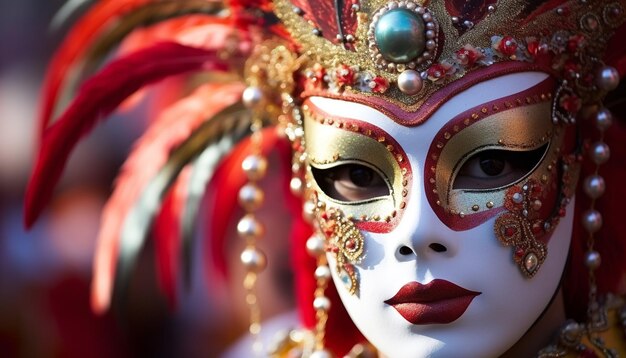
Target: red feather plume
[[74, 46], [150, 153], [98, 97]]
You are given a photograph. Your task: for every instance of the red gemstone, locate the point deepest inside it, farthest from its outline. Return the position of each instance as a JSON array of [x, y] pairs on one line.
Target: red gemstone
[[588, 353], [380, 85], [575, 43], [533, 47], [436, 71], [345, 75], [509, 231], [467, 56], [507, 46], [519, 253], [570, 103]]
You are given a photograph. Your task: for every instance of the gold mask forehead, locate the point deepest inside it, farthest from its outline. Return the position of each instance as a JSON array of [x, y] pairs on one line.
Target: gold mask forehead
[[332, 141]]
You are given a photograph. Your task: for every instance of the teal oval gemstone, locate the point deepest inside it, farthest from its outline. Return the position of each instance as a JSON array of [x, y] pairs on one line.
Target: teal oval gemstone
[[400, 35]]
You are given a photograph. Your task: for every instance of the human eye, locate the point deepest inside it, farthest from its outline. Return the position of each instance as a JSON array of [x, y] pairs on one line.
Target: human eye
[[351, 182], [495, 168]]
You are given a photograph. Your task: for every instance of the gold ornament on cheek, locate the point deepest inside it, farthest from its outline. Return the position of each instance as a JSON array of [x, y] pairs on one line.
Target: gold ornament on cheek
[[346, 242], [524, 227]]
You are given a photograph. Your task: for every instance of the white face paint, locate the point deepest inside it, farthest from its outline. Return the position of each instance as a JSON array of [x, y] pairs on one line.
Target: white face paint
[[508, 303]]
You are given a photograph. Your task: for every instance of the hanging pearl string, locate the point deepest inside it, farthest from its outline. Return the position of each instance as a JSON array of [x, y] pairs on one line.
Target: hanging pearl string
[[316, 248], [594, 186], [249, 228]]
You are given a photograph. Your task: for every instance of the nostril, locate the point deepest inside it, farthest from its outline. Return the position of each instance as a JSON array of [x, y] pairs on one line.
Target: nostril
[[405, 250], [438, 247]]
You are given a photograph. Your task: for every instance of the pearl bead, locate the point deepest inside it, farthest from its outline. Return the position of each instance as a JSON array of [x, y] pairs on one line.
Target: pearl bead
[[399, 35], [255, 166], [600, 153], [592, 220], [593, 260], [296, 186], [253, 259], [316, 246], [607, 78], [604, 119], [321, 303], [249, 228], [410, 82], [252, 96], [594, 186], [250, 197], [322, 273], [321, 354]]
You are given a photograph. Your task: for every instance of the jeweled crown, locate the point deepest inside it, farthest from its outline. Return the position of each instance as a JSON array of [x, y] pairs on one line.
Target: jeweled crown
[[407, 50]]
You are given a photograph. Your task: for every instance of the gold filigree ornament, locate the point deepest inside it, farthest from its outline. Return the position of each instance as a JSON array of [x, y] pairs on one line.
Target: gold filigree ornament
[[520, 226], [346, 242]]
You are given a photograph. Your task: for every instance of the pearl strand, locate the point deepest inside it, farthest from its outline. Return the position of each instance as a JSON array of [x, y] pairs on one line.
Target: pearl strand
[[594, 186], [251, 198]]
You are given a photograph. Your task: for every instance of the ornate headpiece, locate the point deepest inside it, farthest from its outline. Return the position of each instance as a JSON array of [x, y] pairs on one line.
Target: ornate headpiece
[[257, 62], [406, 51]]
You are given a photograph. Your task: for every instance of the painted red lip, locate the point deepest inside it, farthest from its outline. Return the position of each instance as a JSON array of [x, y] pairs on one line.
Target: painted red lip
[[438, 301]]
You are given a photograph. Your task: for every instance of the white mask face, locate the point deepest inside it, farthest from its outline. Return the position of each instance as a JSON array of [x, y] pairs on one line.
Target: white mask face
[[435, 279]]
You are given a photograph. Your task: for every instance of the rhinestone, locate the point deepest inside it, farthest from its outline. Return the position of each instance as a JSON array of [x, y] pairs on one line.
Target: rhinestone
[[531, 262]]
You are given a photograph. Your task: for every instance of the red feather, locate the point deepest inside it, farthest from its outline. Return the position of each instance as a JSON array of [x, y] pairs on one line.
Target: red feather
[[150, 153], [75, 44], [98, 97], [166, 231]]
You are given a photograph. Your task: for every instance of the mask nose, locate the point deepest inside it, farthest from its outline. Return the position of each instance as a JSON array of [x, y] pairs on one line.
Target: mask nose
[[421, 234]]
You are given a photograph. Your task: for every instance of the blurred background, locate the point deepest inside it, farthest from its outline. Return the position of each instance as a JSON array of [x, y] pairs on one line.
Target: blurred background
[[45, 273]]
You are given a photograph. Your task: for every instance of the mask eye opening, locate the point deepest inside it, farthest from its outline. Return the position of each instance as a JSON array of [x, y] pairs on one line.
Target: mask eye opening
[[494, 169], [352, 182]]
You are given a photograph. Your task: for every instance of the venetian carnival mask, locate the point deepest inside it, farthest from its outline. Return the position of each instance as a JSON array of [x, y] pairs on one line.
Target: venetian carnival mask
[[435, 147], [440, 172], [425, 284]]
